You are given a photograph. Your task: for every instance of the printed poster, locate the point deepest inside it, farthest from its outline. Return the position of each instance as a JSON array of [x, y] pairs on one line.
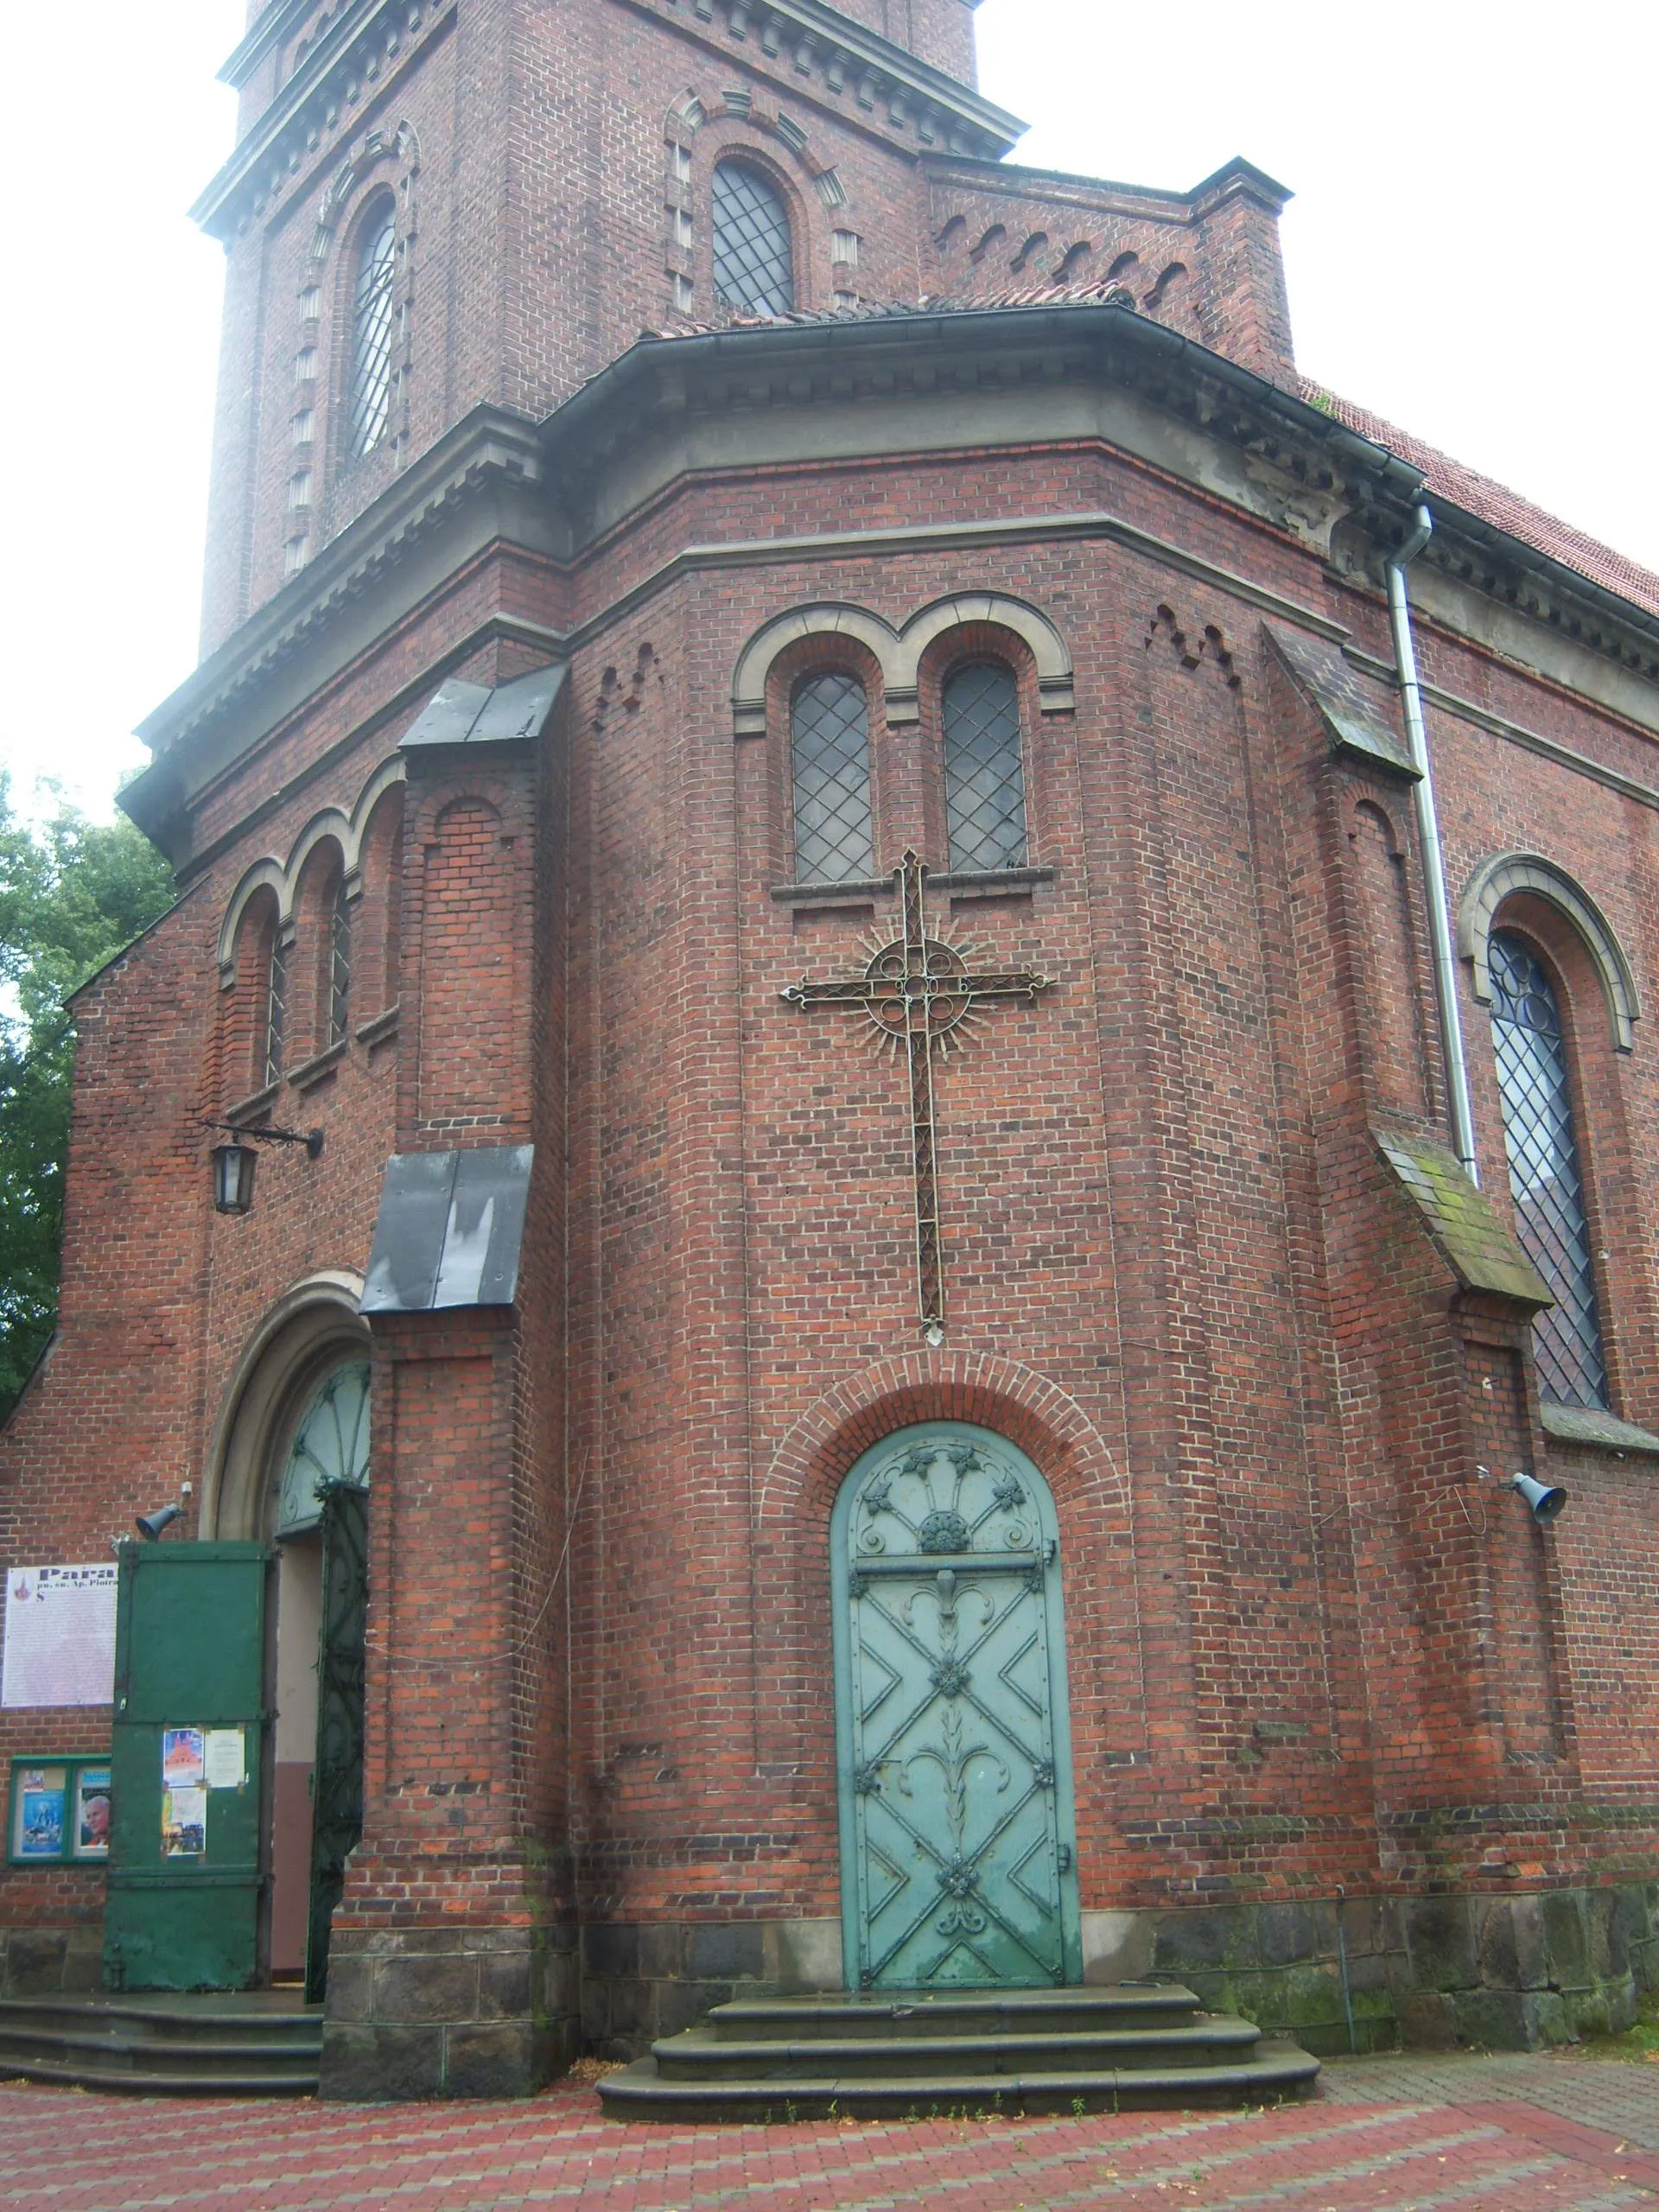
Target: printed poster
[[40, 1811], [184, 1823], [92, 1813], [184, 1758], [60, 1644], [225, 1764]]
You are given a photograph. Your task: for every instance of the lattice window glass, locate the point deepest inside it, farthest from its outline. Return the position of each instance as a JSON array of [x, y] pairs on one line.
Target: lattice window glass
[[340, 965], [830, 748], [984, 776], [276, 1013], [372, 322], [1546, 1181], [755, 264]]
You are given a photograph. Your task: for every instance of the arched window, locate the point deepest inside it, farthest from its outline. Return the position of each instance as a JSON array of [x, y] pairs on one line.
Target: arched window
[[340, 964], [271, 1057], [1545, 1179], [331, 1445], [754, 263], [985, 779], [371, 335], [830, 746]]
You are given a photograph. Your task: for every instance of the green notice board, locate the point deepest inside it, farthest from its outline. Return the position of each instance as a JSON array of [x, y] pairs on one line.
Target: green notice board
[[187, 1759]]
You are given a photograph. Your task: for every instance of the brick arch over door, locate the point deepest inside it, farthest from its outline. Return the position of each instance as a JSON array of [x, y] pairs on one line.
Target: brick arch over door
[[795, 1495], [900, 652]]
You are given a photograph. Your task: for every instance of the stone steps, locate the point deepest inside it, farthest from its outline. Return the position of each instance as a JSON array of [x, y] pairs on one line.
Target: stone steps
[[261, 2045], [898, 2056]]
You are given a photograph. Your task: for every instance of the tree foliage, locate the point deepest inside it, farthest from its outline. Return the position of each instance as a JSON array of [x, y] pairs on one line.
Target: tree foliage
[[73, 892]]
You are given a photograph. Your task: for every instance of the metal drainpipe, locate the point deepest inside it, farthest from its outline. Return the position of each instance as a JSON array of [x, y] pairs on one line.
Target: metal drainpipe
[[1428, 838]]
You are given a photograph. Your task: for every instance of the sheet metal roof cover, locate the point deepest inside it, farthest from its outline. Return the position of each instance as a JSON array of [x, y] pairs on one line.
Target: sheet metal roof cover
[[471, 713], [449, 1229]]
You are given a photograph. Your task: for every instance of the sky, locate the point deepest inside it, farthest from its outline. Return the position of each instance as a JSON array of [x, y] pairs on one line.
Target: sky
[[1467, 254]]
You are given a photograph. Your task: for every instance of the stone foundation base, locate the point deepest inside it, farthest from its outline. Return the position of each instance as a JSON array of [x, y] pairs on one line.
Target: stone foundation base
[[447, 2012], [642, 1982], [51, 1962]]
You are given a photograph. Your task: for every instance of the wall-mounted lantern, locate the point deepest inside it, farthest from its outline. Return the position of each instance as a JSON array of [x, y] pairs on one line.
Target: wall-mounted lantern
[[233, 1162]]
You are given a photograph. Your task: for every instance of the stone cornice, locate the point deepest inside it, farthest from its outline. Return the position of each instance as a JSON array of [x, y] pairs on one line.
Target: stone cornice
[[273, 23], [345, 66], [847, 65], [490, 446]]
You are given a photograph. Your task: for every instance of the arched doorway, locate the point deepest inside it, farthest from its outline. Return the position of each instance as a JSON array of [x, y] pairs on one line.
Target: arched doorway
[[953, 1735], [317, 1524]]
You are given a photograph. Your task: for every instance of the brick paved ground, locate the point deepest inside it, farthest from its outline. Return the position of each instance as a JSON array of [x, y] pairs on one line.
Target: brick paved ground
[[1402, 2135]]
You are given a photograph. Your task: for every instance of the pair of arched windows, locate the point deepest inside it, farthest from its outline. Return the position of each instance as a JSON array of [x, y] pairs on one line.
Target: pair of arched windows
[[1547, 1181], [984, 774], [334, 1008]]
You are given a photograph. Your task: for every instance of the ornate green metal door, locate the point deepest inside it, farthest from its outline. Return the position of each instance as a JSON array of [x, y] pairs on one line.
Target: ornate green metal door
[[953, 1741], [337, 1804]]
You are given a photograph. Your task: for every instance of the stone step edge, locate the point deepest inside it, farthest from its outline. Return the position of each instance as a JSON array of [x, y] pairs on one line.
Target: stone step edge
[[123, 2011], [39, 2040], [205, 2085], [695, 2047], [1126, 1997], [639, 2091]]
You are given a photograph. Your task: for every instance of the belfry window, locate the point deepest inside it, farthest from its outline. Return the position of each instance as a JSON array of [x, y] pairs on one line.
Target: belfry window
[[830, 745], [340, 964], [371, 321], [984, 776], [1546, 1181], [755, 264]]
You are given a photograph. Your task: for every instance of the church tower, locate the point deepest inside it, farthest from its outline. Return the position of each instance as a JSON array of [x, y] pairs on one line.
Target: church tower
[[896, 1362]]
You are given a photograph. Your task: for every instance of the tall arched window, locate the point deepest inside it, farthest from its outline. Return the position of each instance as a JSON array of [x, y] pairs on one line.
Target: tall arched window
[[755, 262], [340, 964], [1546, 1181], [271, 1057], [984, 778], [371, 335], [830, 746]]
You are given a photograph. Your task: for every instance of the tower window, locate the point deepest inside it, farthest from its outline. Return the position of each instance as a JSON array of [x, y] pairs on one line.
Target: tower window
[[984, 776], [372, 338], [755, 264], [276, 1013], [830, 733], [1546, 1181]]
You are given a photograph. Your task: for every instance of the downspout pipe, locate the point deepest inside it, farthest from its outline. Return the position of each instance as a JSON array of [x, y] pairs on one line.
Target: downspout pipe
[[1428, 838]]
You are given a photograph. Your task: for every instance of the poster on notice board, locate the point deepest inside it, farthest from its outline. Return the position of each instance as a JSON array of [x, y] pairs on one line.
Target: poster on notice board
[[60, 1641]]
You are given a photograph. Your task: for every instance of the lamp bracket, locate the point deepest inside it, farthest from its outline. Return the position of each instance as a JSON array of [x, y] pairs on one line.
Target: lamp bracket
[[311, 1139]]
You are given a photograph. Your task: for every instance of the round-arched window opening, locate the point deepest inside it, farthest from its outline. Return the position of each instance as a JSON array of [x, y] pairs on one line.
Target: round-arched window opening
[[331, 1444], [754, 261], [372, 330]]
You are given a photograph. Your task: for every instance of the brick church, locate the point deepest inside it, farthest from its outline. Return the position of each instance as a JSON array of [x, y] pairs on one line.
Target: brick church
[[969, 965]]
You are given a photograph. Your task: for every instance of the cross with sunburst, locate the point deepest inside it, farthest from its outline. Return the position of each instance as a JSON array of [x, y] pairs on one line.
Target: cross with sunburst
[[921, 994]]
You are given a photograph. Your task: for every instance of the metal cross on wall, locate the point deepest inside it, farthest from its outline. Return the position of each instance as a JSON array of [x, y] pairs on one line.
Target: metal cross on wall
[[920, 994]]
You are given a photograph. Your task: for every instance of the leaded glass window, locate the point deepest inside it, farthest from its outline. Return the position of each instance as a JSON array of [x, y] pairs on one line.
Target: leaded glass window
[[1546, 1181], [371, 321], [755, 264], [830, 749], [331, 1445], [275, 1013], [340, 964], [984, 776]]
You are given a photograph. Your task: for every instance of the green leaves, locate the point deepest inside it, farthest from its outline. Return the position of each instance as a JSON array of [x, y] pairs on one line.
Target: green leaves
[[73, 892]]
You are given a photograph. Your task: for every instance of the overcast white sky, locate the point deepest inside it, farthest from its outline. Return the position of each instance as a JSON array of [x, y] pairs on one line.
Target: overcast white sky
[[1470, 254]]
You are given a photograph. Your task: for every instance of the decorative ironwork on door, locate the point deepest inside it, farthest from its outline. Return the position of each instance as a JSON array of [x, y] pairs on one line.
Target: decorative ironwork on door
[[337, 1806], [957, 1861]]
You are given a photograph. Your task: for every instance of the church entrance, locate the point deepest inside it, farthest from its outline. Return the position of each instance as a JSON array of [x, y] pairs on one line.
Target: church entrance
[[953, 1740], [321, 1537]]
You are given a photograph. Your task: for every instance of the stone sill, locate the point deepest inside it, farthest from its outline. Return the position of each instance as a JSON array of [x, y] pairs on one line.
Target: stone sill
[[1578, 1425], [257, 1105], [383, 1025], [311, 1072], [992, 880]]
